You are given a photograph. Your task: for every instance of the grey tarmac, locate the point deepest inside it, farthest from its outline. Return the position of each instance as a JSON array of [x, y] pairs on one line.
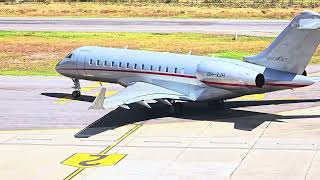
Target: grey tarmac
[[152, 25], [266, 136]]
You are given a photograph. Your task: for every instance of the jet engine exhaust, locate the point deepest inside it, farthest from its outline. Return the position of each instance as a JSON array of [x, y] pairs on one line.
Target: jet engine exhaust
[[260, 80]]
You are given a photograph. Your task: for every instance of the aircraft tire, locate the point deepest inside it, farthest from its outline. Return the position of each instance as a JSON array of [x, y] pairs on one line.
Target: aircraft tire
[[216, 105], [178, 108], [76, 94]]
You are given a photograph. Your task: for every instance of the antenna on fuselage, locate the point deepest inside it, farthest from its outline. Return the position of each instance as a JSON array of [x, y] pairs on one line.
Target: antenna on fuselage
[[126, 47], [189, 53]]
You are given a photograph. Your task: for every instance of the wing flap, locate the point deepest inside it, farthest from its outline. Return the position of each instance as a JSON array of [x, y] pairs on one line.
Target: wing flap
[[135, 93], [141, 91]]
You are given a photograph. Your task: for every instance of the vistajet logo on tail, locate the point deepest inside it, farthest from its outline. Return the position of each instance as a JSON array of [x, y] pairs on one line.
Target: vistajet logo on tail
[[277, 58]]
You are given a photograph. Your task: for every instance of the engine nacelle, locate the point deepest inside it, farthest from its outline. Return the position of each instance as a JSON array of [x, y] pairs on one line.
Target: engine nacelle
[[217, 73]]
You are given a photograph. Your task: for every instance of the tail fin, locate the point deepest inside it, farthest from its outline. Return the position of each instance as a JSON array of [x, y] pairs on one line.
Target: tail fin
[[292, 50]]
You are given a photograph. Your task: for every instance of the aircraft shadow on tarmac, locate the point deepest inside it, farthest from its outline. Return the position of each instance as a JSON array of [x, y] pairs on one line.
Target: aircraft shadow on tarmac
[[242, 119]]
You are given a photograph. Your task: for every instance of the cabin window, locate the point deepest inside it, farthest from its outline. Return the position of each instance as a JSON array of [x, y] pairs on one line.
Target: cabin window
[[135, 66], [127, 65], [69, 56], [105, 63], [112, 64], [175, 70], [159, 69], [182, 71], [120, 64], [167, 69], [98, 62], [142, 67], [151, 68], [90, 62]]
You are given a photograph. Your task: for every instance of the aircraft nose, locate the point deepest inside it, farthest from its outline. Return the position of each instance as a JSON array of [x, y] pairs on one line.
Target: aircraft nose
[[58, 67], [67, 67]]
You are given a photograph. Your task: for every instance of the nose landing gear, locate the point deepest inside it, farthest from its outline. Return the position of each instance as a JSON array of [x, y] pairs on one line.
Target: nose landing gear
[[76, 93]]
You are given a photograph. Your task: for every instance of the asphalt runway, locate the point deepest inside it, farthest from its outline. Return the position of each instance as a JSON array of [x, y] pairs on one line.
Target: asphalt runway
[[265, 136], [220, 26]]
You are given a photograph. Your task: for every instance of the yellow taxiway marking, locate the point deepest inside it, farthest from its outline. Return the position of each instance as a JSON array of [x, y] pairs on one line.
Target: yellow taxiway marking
[[260, 97], [61, 101], [314, 74], [108, 93], [252, 97], [88, 88], [85, 160]]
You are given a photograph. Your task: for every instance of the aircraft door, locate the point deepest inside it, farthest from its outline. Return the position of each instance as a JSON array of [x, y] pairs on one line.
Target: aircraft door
[[81, 62]]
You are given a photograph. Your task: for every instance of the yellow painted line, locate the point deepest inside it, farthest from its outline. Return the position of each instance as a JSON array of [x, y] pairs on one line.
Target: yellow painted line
[[314, 74], [88, 88], [108, 93], [103, 152], [74, 173], [61, 101], [252, 97], [123, 137]]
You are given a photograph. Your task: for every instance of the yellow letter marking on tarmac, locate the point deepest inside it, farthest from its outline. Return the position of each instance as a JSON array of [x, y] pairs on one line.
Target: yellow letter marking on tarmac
[[86, 160]]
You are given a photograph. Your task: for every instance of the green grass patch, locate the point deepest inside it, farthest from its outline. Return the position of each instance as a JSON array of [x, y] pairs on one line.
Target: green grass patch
[[27, 73], [37, 53], [126, 36], [231, 54]]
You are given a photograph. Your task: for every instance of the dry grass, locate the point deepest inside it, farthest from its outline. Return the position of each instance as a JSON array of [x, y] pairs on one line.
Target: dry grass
[[38, 52], [155, 10]]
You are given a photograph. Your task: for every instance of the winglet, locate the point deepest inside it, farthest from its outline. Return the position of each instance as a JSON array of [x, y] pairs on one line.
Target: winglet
[[98, 102]]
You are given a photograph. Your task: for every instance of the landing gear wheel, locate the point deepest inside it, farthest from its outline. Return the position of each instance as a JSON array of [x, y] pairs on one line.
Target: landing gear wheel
[[76, 94], [217, 105], [176, 108]]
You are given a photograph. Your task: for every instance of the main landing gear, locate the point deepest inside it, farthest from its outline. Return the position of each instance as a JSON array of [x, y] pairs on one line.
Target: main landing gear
[[218, 105], [76, 93], [176, 108]]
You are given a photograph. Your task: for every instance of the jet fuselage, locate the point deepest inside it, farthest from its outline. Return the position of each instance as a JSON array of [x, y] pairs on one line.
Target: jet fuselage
[[202, 78]]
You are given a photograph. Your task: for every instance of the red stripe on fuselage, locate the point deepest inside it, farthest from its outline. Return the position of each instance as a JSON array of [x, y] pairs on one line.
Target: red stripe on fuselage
[[190, 76], [253, 86], [228, 84]]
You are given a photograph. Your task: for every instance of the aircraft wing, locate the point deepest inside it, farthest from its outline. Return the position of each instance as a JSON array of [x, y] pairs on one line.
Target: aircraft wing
[[315, 79], [136, 93]]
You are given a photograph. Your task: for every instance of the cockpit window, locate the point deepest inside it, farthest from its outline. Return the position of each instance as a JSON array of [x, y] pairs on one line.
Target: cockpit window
[[69, 56]]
